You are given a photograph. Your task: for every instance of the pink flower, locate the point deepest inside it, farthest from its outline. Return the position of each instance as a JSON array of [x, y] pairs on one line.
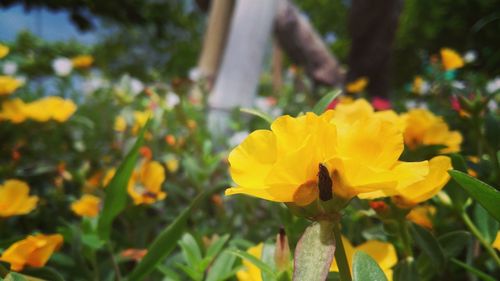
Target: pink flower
[[381, 103], [455, 104]]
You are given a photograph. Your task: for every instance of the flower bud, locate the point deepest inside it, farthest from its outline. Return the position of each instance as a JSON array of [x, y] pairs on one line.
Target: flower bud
[[282, 251]]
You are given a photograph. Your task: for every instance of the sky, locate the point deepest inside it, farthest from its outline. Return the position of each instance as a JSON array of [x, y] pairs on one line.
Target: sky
[[52, 26]]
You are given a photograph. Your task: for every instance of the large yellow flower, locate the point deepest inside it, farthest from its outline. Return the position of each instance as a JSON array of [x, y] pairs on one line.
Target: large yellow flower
[[357, 85], [55, 108], [15, 199], [83, 61], [422, 127], [250, 272], [359, 148], [145, 185], [382, 252], [451, 60], [4, 50], [8, 85], [35, 251], [13, 110], [87, 206]]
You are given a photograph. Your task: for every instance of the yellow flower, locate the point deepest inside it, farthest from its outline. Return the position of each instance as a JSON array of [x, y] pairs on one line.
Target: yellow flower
[[13, 110], [83, 61], [108, 176], [250, 272], [47, 108], [360, 153], [357, 85], [425, 189], [120, 124], [145, 185], [34, 250], [140, 118], [425, 128], [496, 243], [15, 199], [172, 165], [422, 215], [382, 252], [8, 85], [87, 206], [451, 60], [4, 50]]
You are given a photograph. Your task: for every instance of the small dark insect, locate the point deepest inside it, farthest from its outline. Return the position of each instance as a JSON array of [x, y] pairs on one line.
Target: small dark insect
[[324, 183], [149, 194]]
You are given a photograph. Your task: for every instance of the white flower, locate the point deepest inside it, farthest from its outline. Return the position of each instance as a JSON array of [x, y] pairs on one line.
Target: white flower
[[62, 66], [237, 138], [458, 85], [136, 86], [92, 84], [470, 56], [411, 104], [171, 100], [10, 68], [493, 85], [195, 74], [492, 105]]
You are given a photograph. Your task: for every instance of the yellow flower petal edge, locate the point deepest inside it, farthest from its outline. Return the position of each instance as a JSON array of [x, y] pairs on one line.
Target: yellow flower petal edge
[[42, 110], [357, 85], [411, 195], [4, 50], [9, 85], [145, 185], [34, 251], [451, 60], [15, 199]]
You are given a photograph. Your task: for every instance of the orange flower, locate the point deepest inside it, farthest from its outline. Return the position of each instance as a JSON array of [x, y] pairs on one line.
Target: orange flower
[[34, 250], [83, 61]]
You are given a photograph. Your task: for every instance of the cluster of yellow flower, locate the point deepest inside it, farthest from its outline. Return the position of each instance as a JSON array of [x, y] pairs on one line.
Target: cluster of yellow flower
[[42, 110], [359, 148]]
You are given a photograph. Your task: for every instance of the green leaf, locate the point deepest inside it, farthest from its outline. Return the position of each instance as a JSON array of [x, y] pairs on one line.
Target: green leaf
[[15, 277], [265, 268], [485, 223], [258, 113], [366, 268], [429, 245], [222, 268], [484, 194], [45, 273], [216, 246], [314, 252], [116, 192], [190, 250], [93, 241], [454, 242], [406, 270], [165, 242], [483, 276], [323, 103]]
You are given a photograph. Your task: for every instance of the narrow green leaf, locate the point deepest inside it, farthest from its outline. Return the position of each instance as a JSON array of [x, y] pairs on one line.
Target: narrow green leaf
[[429, 245], [116, 192], [190, 250], [222, 267], [258, 113], [454, 242], [366, 268], [216, 246], [323, 103], [265, 268], [15, 277], [485, 223], [314, 252], [484, 194], [483, 276], [165, 242]]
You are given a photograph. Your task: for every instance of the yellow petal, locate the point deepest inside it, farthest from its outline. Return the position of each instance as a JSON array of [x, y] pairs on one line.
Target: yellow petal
[[451, 59], [250, 272], [349, 252], [87, 206], [15, 199], [382, 252]]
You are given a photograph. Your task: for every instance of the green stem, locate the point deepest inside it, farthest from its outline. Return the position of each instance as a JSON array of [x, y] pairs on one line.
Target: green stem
[[340, 256], [115, 264], [480, 237], [405, 238]]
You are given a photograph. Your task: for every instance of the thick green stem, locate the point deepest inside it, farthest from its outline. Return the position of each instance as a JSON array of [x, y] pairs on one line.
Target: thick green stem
[[340, 256], [480, 238]]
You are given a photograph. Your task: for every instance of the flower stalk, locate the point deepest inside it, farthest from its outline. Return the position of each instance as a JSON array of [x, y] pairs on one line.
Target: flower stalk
[[340, 255], [468, 222]]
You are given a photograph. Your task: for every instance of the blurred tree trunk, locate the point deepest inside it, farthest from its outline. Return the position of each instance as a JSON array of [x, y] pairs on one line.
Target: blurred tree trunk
[[215, 38], [372, 25], [239, 72], [277, 67], [305, 47]]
